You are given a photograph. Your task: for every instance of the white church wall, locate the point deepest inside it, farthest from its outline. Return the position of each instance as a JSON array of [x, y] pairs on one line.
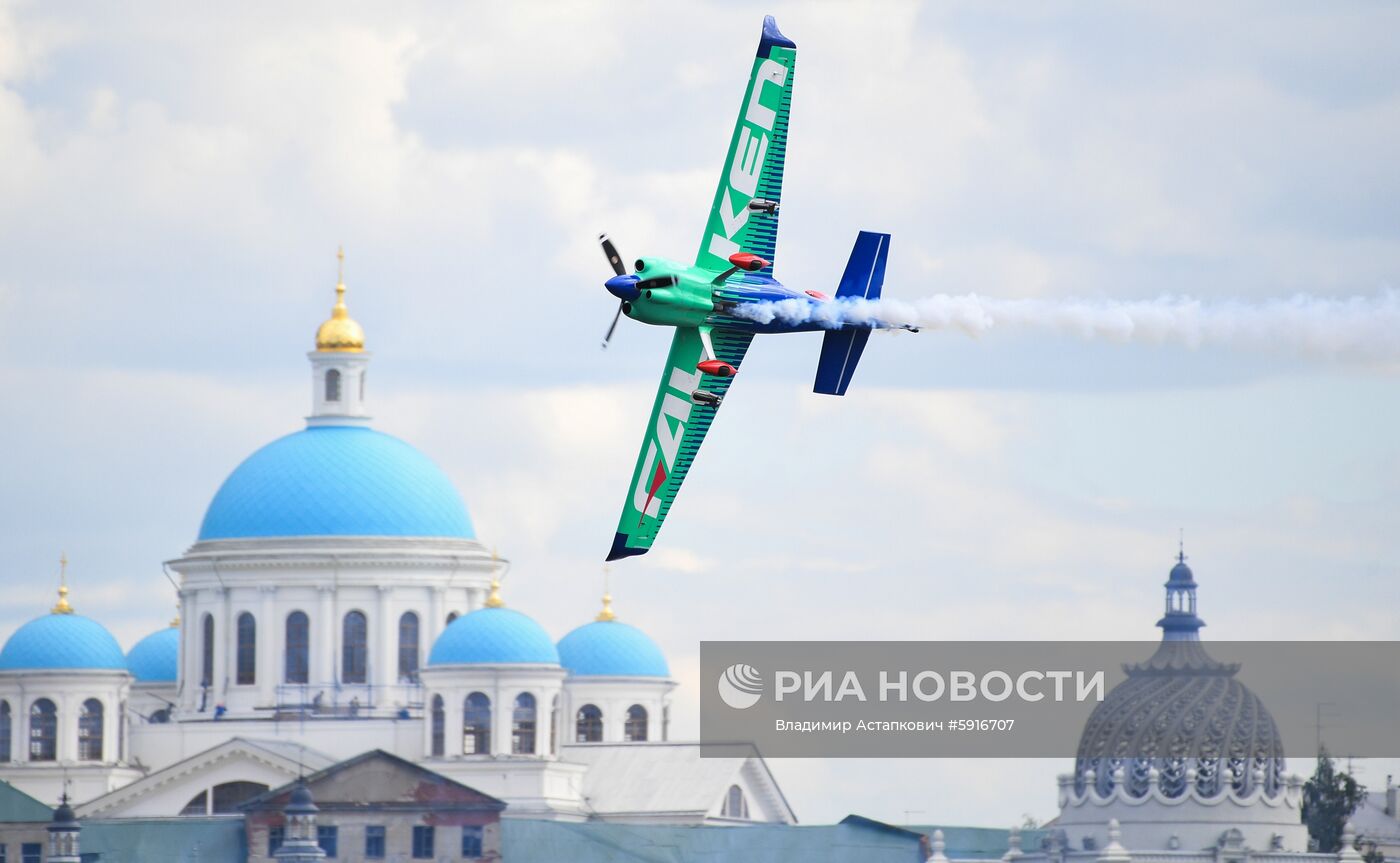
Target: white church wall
[[156, 746]]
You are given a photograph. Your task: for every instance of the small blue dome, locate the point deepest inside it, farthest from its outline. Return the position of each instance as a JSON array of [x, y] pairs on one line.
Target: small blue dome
[[155, 658], [493, 635], [607, 648], [62, 641], [1181, 575], [337, 481]]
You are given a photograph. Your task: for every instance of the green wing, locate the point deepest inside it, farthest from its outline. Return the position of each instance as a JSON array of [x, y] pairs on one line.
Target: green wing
[[753, 170], [674, 432]]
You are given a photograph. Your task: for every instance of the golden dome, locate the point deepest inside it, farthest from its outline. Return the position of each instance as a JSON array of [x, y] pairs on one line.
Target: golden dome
[[607, 613], [340, 333]]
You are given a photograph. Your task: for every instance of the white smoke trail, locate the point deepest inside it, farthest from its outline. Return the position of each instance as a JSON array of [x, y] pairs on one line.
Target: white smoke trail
[[1356, 327]]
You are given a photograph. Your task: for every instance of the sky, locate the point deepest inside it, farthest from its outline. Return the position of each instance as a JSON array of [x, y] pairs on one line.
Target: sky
[[176, 179]]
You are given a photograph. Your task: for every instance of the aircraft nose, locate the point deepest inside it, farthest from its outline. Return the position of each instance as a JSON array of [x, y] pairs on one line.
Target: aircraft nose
[[623, 287]]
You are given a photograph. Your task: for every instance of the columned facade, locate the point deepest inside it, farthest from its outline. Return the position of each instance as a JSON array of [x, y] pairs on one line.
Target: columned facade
[[503, 685], [633, 709], [66, 724], [324, 579]]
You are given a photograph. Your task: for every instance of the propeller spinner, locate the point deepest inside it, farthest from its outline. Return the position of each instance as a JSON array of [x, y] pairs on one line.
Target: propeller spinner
[[626, 286]]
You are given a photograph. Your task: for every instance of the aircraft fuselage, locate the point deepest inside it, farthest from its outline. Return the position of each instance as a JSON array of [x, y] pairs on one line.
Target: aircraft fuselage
[[703, 297]]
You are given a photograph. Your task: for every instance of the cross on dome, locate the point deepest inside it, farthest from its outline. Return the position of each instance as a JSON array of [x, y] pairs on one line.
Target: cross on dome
[[607, 613], [62, 606]]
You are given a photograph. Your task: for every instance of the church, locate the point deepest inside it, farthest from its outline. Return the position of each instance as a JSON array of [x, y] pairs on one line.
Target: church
[[337, 600]]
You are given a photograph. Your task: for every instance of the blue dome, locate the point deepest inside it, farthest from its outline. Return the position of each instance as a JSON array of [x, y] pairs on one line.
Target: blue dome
[[155, 658], [1181, 575], [607, 648], [493, 635], [62, 641], [336, 481]]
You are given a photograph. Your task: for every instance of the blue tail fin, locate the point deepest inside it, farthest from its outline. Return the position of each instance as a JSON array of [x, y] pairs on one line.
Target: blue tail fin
[[841, 349], [865, 271]]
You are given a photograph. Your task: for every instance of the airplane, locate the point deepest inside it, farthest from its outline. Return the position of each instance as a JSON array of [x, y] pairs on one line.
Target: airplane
[[706, 302]]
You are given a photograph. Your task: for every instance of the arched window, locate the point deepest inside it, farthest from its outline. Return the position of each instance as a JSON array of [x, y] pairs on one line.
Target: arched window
[[206, 656], [298, 662], [6, 730], [635, 729], [439, 726], [408, 647], [247, 649], [90, 731], [43, 731], [354, 649], [735, 804], [589, 725], [198, 805], [522, 726], [229, 795], [476, 724], [333, 385]]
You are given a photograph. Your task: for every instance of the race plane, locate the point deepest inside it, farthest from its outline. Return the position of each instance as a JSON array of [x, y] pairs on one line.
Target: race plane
[[706, 302]]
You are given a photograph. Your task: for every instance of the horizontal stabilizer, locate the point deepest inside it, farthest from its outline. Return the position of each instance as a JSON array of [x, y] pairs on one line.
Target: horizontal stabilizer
[[841, 351]]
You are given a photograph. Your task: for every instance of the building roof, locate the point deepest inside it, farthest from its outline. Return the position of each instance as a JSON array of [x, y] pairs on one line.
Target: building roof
[[156, 658], [280, 756], [337, 481], [611, 648], [1371, 821], [16, 807], [170, 840], [666, 777], [62, 641], [429, 789], [490, 636], [603, 842]]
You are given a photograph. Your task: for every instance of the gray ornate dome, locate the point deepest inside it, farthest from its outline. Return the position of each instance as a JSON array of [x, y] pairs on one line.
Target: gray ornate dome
[[1181, 720]]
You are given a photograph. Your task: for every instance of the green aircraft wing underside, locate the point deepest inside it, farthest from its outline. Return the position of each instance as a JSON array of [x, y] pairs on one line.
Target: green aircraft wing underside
[[753, 168], [674, 433]]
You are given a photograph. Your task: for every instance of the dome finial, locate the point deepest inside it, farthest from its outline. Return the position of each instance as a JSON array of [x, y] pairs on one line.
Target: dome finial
[[62, 606], [493, 599], [607, 613], [341, 333], [1180, 622]]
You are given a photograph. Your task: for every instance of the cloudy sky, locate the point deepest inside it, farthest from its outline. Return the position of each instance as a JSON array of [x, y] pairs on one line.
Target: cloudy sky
[[174, 183]]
